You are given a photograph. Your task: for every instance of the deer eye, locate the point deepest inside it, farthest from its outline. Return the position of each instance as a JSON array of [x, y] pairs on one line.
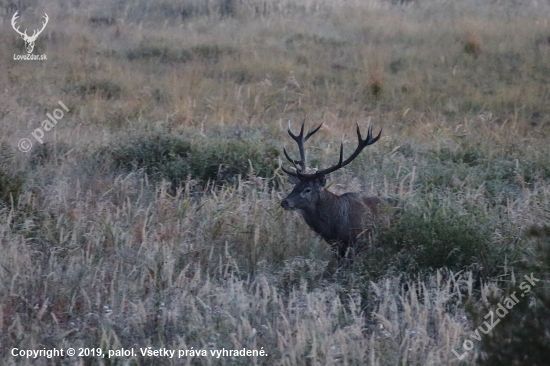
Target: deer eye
[[307, 190]]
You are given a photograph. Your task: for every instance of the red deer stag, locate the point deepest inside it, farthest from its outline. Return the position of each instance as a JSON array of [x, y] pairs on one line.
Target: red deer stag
[[345, 220]]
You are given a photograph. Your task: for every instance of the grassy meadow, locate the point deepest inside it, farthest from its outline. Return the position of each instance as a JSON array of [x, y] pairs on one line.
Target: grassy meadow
[[150, 216]]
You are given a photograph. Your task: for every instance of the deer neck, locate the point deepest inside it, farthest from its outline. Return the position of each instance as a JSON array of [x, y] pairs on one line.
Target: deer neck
[[321, 217]]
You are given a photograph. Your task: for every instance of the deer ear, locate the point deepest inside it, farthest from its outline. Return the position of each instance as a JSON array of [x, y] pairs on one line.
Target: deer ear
[[293, 179]]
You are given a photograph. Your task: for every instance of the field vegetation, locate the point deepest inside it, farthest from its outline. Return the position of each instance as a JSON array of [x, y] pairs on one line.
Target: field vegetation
[[150, 216]]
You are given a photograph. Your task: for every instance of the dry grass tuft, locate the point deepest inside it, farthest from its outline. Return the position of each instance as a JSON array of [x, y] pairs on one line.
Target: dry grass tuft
[[472, 44], [150, 216]]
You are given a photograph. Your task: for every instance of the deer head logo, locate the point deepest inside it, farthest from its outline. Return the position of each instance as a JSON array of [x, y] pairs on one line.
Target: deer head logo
[[29, 40]]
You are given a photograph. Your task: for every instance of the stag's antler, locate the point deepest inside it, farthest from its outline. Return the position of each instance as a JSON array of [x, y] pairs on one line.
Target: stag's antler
[[341, 163], [35, 34], [300, 139], [15, 16], [24, 34], [46, 18]]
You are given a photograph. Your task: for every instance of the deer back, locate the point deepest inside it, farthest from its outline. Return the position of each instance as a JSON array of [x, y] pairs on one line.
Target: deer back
[[350, 219]]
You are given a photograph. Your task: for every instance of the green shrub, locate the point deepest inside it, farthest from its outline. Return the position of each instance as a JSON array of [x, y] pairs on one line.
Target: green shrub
[[221, 161], [437, 236], [216, 158], [522, 335], [160, 156]]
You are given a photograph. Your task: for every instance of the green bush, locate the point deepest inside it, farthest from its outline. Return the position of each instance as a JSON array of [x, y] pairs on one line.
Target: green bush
[[221, 161], [522, 335], [437, 236], [160, 156], [216, 158]]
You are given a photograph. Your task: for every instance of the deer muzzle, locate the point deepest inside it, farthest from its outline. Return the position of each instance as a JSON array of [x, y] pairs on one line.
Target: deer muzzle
[[286, 204]]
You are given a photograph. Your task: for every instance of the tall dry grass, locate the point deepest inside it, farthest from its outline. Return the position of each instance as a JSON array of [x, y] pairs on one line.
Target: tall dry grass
[[151, 217]]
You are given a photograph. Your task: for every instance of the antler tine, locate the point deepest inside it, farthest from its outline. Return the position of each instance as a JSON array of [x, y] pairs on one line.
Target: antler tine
[[295, 137], [13, 20], [300, 136], [341, 153], [289, 172], [36, 31], [341, 163], [300, 140], [289, 158], [370, 140], [311, 132]]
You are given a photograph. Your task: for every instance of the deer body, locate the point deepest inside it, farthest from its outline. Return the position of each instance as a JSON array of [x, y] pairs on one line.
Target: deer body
[[342, 220]]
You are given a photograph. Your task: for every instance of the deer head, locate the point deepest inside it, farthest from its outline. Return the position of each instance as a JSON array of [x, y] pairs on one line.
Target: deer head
[[29, 40], [306, 193]]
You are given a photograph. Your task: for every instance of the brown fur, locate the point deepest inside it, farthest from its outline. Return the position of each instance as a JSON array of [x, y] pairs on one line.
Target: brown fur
[[343, 221]]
